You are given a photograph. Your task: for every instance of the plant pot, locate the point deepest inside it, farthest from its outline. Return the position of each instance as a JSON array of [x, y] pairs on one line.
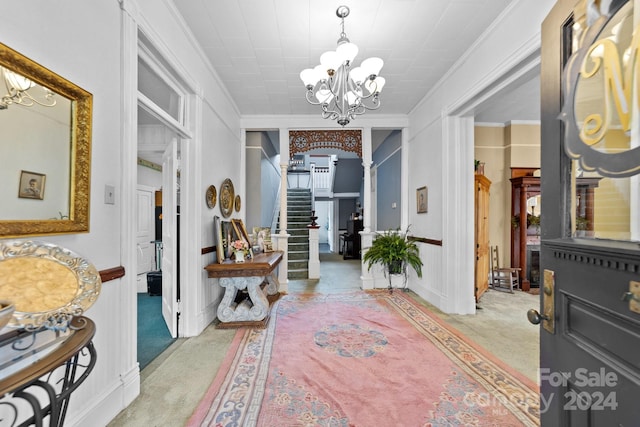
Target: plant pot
[[239, 256], [397, 281]]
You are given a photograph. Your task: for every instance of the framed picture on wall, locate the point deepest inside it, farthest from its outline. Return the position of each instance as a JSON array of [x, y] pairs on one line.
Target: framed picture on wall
[[31, 185], [421, 199]]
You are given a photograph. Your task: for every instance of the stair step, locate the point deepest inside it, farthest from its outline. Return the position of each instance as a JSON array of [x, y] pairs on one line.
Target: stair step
[[298, 274], [298, 243], [299, 226], [298, 265], [298, 255]]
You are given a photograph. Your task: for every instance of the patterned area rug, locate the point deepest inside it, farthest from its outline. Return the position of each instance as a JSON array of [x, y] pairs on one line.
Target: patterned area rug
[[362, 359]]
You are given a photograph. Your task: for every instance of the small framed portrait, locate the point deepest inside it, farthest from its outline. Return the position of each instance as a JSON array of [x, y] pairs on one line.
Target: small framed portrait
[[262, 239], [31, 185], [421, 199]]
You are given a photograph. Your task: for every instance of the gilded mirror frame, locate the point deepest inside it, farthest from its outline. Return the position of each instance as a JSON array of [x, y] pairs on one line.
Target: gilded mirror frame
[[80, 154]]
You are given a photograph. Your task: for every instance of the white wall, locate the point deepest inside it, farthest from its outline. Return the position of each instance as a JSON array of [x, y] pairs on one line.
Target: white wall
[[86, 47], [441, 153]]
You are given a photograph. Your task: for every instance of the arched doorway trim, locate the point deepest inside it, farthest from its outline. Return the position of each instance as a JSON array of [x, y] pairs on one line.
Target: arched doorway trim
[[307, 140]]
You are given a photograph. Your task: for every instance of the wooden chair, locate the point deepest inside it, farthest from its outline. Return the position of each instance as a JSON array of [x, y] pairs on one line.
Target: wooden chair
[[503, 278]]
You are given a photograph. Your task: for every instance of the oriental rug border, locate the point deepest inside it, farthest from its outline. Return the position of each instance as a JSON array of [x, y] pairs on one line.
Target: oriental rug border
[[240, 384]]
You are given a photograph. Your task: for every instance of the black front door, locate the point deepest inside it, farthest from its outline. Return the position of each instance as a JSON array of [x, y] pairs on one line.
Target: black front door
[[590, 253]]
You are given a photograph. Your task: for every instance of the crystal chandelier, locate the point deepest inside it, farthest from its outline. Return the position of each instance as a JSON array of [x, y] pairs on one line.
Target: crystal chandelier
[[343, 92], [18, 91]]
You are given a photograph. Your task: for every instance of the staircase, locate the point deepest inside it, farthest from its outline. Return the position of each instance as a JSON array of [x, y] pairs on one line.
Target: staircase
[[298, 217]]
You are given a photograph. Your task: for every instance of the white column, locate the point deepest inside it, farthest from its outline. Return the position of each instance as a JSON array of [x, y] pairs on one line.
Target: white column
[[314, 252], [366, 235], [404, 180], [366, 163], [127, 361]]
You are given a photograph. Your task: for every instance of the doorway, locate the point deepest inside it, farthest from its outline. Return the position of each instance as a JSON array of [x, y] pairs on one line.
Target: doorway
[[324, 212], [161, 138]]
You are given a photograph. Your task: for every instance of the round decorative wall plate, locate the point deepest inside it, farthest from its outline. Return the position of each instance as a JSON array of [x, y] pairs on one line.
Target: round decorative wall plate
[[211, 196], [227, 198], [47, 284], [238, 203]]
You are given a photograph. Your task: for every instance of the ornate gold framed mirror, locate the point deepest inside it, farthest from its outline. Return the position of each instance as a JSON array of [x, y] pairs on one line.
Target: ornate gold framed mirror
[[46, 131]]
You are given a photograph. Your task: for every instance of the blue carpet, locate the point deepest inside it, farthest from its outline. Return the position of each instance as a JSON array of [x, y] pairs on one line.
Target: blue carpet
[[153, 334]]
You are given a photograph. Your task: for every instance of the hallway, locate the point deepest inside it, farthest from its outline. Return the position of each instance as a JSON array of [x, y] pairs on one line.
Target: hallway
[[173, 384]]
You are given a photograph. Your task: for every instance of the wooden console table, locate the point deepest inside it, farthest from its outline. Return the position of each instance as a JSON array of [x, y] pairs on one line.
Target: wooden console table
[[249, 275], [64, 365]]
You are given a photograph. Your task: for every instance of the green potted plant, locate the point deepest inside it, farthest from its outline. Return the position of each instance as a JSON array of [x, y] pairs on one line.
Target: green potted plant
[[582, 225], [395, 252]]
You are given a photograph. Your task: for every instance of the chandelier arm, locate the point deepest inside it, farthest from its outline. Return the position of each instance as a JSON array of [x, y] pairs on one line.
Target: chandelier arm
[[309, 96], [374, 105], [24, 98]]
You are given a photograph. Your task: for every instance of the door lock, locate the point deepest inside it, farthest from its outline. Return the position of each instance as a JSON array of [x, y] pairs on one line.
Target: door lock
[[547, 318]]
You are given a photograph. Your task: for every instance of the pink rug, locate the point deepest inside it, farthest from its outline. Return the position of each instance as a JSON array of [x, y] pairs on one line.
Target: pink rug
[[362, 359]]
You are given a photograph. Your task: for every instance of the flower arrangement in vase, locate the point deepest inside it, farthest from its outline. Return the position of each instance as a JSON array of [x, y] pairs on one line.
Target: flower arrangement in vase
[[240, 249]]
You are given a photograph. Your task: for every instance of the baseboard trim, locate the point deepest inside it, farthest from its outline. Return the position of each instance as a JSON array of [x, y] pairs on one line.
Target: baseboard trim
[[110, 403]]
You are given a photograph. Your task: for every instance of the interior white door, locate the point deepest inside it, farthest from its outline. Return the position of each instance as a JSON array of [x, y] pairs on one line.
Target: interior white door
[[322, 212], [170, 236], [145, 229]]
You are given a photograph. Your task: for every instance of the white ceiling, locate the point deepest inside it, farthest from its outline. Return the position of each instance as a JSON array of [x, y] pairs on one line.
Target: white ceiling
[[259, 47]]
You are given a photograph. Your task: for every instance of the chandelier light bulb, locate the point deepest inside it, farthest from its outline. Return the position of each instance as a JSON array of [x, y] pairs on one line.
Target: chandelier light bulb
[[19, 93], [376, 85], [372, 66], [358, 75], [347, 52], [330, 61], [309, 77], [324, 96], [321, 73], [16, 81]]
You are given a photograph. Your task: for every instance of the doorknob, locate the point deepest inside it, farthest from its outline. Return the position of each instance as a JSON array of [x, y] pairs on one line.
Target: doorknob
[[535, 318]]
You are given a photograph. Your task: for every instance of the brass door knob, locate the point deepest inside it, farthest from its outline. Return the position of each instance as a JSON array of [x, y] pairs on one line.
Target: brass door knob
[[535, 318]]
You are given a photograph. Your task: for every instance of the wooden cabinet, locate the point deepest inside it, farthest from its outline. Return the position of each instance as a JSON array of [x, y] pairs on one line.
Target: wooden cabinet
[[482, 185], [525, 241]]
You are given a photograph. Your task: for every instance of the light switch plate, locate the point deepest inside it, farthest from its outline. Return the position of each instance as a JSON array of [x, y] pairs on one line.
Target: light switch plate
[[109, 195]]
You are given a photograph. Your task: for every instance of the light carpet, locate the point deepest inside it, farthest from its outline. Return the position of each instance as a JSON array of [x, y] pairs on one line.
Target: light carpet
[[362, 359]]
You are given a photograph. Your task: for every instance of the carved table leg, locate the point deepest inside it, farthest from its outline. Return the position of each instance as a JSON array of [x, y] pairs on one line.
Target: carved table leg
[[256, 309], [225, 310], [273, 285]]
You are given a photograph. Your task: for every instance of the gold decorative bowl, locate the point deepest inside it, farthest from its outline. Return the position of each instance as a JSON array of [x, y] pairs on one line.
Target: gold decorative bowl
[[47, 284], [6, 312]]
